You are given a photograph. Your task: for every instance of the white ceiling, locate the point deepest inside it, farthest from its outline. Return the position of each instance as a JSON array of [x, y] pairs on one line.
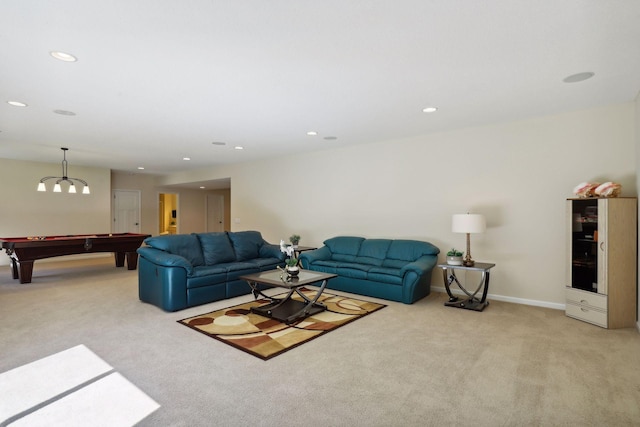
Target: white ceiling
[[158, 80]]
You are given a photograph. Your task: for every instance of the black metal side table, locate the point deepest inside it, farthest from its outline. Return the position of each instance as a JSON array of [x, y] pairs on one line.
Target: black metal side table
[[472, 302]]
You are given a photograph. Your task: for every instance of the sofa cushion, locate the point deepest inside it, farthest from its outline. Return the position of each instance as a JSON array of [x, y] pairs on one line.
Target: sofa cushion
[[344, 245], [368, 260], [206, 276], [185, 245], [343, 258], [348, 270], [325, 266], [385, 278], [246, 244], [410, 250], [394, 263], [216, 248], [265, 262], [386, 271], [374, 249]]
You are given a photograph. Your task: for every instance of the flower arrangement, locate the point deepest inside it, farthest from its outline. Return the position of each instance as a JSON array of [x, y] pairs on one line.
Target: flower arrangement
[[289, 250]]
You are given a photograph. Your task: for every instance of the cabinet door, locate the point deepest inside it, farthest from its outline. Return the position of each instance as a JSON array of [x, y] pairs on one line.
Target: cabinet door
[[582, 243], [603, 244]]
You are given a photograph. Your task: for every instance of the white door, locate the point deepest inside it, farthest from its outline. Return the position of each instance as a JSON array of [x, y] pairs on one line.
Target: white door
[[126, 211], [215, 212]]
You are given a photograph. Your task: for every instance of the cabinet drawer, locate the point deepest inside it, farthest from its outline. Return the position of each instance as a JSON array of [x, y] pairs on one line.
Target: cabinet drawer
[[586, 314], [586, 299]]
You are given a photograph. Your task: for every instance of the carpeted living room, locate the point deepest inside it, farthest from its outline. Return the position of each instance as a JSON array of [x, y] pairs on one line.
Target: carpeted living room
[[399, 142]]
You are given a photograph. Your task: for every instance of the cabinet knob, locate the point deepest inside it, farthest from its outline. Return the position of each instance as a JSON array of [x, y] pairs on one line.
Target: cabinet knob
[[602, 246]]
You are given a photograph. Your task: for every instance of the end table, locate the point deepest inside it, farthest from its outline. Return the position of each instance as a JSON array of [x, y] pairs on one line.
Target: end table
[[472, 302]]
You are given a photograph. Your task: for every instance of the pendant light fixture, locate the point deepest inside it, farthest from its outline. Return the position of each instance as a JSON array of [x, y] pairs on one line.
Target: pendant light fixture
[[57, 188]]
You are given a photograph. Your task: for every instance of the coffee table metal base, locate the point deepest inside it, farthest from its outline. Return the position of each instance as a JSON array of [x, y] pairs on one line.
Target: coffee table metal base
[[289, 310]]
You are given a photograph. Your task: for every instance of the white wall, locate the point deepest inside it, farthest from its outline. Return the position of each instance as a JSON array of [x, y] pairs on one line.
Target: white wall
[[517, 174], [637, 144], [27, 212]]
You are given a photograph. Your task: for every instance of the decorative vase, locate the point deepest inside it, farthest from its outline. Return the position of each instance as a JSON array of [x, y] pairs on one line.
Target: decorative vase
[[454, 260], [293, 271]]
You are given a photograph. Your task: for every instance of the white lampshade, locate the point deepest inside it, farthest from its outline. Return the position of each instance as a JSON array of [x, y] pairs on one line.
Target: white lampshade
[[72, 188], [86, 190], [57, 188], [42, 187], [468, 223]]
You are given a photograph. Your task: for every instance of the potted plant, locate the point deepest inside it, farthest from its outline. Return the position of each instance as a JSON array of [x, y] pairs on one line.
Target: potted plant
[[294, 239], [454, 257], [291, 261], [292, 266]]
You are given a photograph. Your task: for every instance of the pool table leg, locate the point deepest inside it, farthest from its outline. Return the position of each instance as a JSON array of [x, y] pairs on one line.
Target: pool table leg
[[132, 259], [14, 268], [119, 259], [26, 271]]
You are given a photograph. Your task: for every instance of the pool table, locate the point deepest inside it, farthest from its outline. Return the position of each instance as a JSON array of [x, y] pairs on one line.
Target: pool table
[[23, 251]]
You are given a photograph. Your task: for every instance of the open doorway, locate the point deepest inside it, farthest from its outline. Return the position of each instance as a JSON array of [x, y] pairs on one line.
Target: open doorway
[[168, 213]]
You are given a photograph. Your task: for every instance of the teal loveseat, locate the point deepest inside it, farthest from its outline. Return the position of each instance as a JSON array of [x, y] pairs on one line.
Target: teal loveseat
[[183, 270], [396, 270]]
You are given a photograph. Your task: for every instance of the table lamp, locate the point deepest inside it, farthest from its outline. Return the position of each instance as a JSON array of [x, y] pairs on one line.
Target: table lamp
[[468, 223]]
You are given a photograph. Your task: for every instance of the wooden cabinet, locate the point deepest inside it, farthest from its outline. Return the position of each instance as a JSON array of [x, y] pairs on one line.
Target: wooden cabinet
[[601, 285]]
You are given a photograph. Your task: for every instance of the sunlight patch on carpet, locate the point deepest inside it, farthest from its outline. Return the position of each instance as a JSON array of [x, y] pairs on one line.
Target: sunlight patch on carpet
[[73, 388]]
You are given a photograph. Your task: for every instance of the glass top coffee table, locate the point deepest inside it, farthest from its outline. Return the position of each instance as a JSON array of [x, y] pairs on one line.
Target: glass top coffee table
[[287, 309]]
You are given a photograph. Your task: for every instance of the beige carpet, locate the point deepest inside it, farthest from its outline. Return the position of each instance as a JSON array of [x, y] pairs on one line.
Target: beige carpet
[[406, 365], [266, 338], [72, 388]]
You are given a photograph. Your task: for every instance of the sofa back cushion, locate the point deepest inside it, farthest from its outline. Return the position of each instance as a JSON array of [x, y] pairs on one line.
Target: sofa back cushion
[[246, 244], [410, 250], [216, 248], [344, 248], [373, 251], [185, 245]]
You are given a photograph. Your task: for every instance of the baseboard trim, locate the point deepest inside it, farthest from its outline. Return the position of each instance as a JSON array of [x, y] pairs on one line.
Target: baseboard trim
[[524, 301]]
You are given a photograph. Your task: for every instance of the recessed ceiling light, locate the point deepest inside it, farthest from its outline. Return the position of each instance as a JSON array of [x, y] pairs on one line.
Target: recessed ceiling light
[[579, 77], [63, 56], [219, 143], [17, 103], [64, 112], [140, 168], [312, 133], [238, 147], [430, 109], [186, 158], [202, 187]]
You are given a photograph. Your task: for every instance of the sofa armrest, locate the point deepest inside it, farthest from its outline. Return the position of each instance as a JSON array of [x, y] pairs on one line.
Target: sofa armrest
[[271, 251], [308, 257], [422, 265], [165, 259]]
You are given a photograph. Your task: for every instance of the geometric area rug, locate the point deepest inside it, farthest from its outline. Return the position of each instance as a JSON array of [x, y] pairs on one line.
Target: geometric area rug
[[264, 337]]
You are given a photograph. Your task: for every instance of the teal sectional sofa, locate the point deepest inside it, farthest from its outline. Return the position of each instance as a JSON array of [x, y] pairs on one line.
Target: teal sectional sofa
[[396, 270], [183, 270]]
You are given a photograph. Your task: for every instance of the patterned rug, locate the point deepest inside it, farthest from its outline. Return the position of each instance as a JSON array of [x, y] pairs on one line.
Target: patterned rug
[[266, 338]]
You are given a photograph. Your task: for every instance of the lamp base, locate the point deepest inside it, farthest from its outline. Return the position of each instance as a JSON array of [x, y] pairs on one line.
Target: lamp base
[[468, 263]]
